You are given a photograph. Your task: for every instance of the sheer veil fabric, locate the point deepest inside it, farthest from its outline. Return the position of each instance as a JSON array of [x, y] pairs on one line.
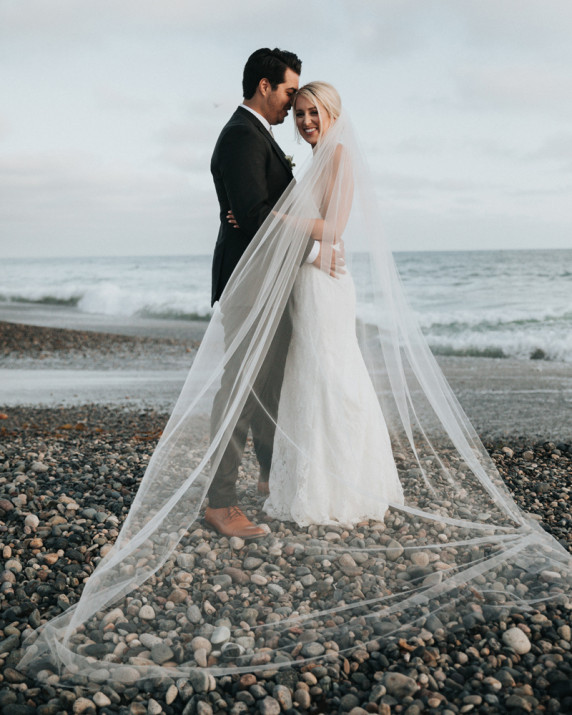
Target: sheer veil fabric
[[456, 543]]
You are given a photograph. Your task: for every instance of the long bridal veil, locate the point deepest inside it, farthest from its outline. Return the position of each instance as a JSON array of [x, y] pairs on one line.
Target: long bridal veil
[[458, 545]]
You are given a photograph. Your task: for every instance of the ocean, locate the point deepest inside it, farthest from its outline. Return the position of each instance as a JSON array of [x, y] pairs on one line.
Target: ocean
[[469, 303]]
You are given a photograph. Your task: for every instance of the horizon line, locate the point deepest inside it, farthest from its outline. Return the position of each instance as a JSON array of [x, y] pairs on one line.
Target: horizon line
[[209, 255]]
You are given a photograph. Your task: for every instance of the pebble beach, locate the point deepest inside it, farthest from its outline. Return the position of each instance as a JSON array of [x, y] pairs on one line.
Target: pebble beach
[[69, 472]]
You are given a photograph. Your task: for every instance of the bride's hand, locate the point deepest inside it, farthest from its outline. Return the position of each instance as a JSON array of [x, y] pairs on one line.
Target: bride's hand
[[337, 260], [230, 218]]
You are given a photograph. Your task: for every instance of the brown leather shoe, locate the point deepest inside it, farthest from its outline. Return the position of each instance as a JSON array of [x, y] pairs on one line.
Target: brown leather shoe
[[230, 521], [263, 488]]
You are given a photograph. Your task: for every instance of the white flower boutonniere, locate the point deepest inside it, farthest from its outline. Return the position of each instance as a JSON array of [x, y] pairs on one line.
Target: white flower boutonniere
[[290, 160]]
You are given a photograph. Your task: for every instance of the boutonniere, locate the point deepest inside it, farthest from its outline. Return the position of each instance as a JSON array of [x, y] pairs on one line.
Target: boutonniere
[[290, 160]]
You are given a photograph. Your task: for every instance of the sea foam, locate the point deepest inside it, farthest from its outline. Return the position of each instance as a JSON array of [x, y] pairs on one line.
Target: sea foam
[[483, 304]]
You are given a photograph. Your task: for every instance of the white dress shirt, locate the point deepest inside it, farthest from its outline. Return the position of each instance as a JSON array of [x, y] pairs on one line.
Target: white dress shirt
[[315, 250], [265, 123]]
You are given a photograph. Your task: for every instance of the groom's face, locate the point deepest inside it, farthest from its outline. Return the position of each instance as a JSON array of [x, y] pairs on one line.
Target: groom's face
[[279, 100]]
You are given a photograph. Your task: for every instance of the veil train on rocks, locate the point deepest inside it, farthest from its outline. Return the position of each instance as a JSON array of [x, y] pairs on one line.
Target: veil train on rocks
[[171, 596]]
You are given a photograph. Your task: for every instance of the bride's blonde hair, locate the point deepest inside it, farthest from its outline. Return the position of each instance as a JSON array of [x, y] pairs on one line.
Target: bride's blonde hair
[[322, 95]]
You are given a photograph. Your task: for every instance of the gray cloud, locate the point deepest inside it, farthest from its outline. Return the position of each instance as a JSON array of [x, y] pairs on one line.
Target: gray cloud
[[109, 98], [69, 18], [5, 128], [67, 206], [498, 87], [562, 191], [188, 143], [527, 27], [68, 22], [557, 150], [396, 27], [391, 29], [398, 183], [421, 228], [496, 149]]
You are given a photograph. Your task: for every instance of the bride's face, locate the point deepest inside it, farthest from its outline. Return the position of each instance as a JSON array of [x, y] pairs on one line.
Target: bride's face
[[308, 119]]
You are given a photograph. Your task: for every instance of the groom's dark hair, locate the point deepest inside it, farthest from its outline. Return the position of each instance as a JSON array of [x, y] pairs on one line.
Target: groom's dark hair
[[269, 64]]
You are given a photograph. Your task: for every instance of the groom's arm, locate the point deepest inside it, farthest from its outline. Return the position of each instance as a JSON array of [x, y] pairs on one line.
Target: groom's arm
[[243, 158]]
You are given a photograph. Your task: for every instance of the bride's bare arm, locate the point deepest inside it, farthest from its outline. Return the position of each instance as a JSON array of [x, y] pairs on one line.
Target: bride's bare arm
[[336, 201], [335, 208], [335, 204]]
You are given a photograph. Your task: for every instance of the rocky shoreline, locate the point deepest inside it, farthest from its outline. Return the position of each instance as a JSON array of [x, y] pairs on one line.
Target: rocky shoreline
[[49, 364], [519, 662], [32, 346]]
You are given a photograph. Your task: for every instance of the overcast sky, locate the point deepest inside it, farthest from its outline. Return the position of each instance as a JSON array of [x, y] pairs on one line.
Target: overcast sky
[[110, 110]]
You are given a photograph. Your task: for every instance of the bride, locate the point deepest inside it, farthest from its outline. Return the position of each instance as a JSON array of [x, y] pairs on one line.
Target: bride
[[332, 458]]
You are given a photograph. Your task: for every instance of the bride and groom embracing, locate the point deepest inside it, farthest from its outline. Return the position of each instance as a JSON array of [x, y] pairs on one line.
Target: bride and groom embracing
[[318, 431], [322, 391]]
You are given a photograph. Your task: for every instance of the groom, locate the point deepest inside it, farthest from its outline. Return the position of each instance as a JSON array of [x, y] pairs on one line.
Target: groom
[[250, 173]]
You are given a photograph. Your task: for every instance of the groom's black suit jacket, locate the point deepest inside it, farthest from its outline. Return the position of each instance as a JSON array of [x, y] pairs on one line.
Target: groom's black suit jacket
[[250, 174]]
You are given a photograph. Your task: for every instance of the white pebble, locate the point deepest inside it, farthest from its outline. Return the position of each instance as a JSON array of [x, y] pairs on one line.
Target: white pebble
[[236, 543], [149, 640], [146, 612], [200, 642], [201, 657], [82, 704], [420, 558], [208, 608], [101, 675], [13, 565], [101, 700], [516, 639], [171, 694], [259, 579], [153, 707], [126, 675], [347, 560], [113, 616], [220, 635], [32, 521]]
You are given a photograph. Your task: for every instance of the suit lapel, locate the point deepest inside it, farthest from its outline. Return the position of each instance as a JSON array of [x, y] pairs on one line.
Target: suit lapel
[[245, 114]]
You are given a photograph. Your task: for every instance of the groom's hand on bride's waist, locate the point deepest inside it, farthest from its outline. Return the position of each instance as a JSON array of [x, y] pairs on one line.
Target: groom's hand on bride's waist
[[231, 219]]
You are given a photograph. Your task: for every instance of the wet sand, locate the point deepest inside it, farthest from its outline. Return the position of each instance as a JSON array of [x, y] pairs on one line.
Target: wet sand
[[70, 358]]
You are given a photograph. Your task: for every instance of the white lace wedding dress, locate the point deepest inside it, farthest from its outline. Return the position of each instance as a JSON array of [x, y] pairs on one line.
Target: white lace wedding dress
[[332, 460]]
